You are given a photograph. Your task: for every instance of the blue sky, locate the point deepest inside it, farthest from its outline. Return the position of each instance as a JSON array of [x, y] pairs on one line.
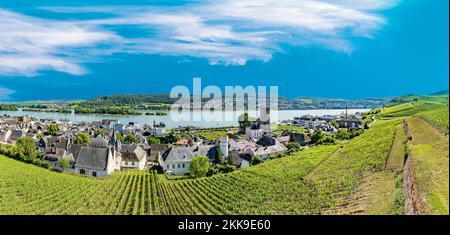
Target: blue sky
[[67, 49]]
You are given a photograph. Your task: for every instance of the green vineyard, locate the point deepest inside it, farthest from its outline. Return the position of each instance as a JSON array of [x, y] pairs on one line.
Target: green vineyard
[[438, 118], [303, 183]]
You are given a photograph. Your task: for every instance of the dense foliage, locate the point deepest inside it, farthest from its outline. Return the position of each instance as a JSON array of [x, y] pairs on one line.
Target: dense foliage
[[82, 138], [115, 110], [8, 107], [199, 166]]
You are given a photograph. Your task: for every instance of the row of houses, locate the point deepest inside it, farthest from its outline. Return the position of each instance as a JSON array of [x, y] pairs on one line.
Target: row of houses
[[106, 154], [324, 122]]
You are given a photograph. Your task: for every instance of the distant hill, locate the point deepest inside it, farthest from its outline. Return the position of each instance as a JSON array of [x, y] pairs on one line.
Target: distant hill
[[163, 101], [444, 92], [283, 103], [130, 99]]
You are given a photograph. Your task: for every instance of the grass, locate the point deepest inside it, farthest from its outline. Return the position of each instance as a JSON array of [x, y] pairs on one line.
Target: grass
[[281, 128], [397, 152], [381, 193], [289, 128], [213, 135], [430, 163]]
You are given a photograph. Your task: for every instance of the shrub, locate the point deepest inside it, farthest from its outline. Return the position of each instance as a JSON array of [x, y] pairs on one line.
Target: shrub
[[256, 160], [199, 166]]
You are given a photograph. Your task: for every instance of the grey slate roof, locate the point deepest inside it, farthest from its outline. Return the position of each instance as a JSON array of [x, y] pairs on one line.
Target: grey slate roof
[[92, 158], [16, 134], [74, 149], [133, 153], [185, 154], [61, 143]]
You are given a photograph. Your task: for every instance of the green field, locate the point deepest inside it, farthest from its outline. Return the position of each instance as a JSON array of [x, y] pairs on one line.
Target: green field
[[212, 135]]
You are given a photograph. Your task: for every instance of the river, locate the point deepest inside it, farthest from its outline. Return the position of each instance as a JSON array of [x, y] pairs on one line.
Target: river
[[169, 120]]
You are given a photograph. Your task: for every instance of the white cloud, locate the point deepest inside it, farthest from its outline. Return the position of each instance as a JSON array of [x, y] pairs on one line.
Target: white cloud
[[221, 31], [29, 44], [5, 93]]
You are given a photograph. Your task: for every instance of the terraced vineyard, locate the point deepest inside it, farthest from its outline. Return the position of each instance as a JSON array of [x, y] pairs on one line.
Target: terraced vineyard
[[342, 173], [25, 189], [417, 104], [360, 176], [279, 186], [438, 118]]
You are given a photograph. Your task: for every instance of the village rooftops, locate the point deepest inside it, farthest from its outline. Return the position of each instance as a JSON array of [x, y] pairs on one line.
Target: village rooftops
[[132, 153], [185, 154], [92, 158]]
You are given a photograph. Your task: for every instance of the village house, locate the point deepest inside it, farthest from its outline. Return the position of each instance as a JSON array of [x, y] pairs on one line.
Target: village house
[[176, 160], [156, 149], [96, 162], [4, 135], [133, 157], [301, 138], [15, 135], [241, 152], [54, 158], [99, 142], [159, 129], [350, 122]]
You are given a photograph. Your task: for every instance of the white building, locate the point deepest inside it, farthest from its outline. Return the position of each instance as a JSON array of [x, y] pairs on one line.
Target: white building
[[133, 157], [254, 133], [176, 160], [96, 162], [223, 145]]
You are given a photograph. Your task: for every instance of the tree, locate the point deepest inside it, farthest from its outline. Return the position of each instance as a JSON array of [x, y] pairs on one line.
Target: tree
[[326, 140], [131, 139], [199, 166], [82, 138], [119, 136], [229, 160], [99, 132], [316, 136], [171, 138], [64, 164], [153, 140], [342, 135], [27, 146], [334, 123], [53, 130], [218, 156], [293, 146], [245, 122]]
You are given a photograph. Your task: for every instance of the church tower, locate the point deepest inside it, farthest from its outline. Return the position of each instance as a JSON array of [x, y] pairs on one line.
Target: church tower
[[264, 119], [223, 145]]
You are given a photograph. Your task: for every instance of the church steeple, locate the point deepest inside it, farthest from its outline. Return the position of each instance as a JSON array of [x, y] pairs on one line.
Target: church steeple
[[113, 139]]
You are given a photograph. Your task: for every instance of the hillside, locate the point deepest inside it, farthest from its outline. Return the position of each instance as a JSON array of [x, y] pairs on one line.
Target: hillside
[[363, 176], [283, 103]]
